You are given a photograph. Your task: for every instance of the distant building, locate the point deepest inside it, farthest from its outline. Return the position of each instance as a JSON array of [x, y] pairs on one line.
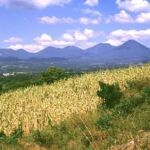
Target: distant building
[[8, 74], [12, 74]]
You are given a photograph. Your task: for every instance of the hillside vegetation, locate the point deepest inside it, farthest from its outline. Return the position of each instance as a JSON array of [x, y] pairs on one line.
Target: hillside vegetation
[[18, 81], [35, 107], [42, 111]]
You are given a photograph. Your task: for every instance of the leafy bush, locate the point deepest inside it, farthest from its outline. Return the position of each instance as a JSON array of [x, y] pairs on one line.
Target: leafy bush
[[111, 94], [104, 122], [43, 138], [52, 74], [55, 135], [128, 106], [146, 94], [124, 108]]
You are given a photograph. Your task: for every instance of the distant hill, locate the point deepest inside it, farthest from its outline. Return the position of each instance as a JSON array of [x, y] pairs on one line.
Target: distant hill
[[67, 52], [20, 54], [103, 54]]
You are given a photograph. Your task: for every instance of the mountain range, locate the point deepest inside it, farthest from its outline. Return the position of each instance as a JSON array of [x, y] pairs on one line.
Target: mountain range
[[130, 52]]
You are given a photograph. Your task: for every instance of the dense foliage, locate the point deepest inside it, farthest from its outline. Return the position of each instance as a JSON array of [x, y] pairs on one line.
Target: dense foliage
[[49, 76], [53, 74], [111, 94]]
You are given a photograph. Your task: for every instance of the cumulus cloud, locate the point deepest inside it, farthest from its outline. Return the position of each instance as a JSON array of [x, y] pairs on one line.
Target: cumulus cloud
[[87, 21], [33, 3], [89, 33], [13, 40], [119, 36], [55, 20], [123, 17], [68, 20], [80, 36], [134, 5], [29, 47], [92, 2], [44, 40], [68, 37], [143, 17], [84, 35], [92, 12], [76, 38], [40, 43]]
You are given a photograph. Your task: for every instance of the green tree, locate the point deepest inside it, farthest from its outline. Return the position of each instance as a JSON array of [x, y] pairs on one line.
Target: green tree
[[53, 74]]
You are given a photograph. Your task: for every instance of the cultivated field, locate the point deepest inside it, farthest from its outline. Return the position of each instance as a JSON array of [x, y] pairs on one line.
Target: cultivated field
[[35, 107]]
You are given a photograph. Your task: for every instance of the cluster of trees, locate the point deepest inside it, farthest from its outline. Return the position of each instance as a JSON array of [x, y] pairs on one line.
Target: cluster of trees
[[49, 76]]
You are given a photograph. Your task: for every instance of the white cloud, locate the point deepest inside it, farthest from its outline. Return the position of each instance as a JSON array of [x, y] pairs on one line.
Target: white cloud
[[33, 3], [119, 36], [43, 40], [143, 18], [76, 38], [92, 12], [91, 2], [87, 21], [89, 33], [62, 43], [13, 40], [68, 37], [49, 20], [88, 44], [134, 5], [123, 17], [16, 47], [80, 36], [68, 20], [55, 20], [85, 38], [46, 40], [29, 47]]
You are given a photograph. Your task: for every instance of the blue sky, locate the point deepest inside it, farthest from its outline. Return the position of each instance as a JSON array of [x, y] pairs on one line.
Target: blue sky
[[36, 24]]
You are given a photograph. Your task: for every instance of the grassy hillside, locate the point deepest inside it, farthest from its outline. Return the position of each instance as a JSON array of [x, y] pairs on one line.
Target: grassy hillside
[[35, 107], [70, 114]]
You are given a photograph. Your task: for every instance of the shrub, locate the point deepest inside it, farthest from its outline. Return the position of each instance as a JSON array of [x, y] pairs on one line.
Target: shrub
[[146, 94], [111, 94], [43, 138], [55, 135], [52, 74], [124, 108], [104, 122]]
